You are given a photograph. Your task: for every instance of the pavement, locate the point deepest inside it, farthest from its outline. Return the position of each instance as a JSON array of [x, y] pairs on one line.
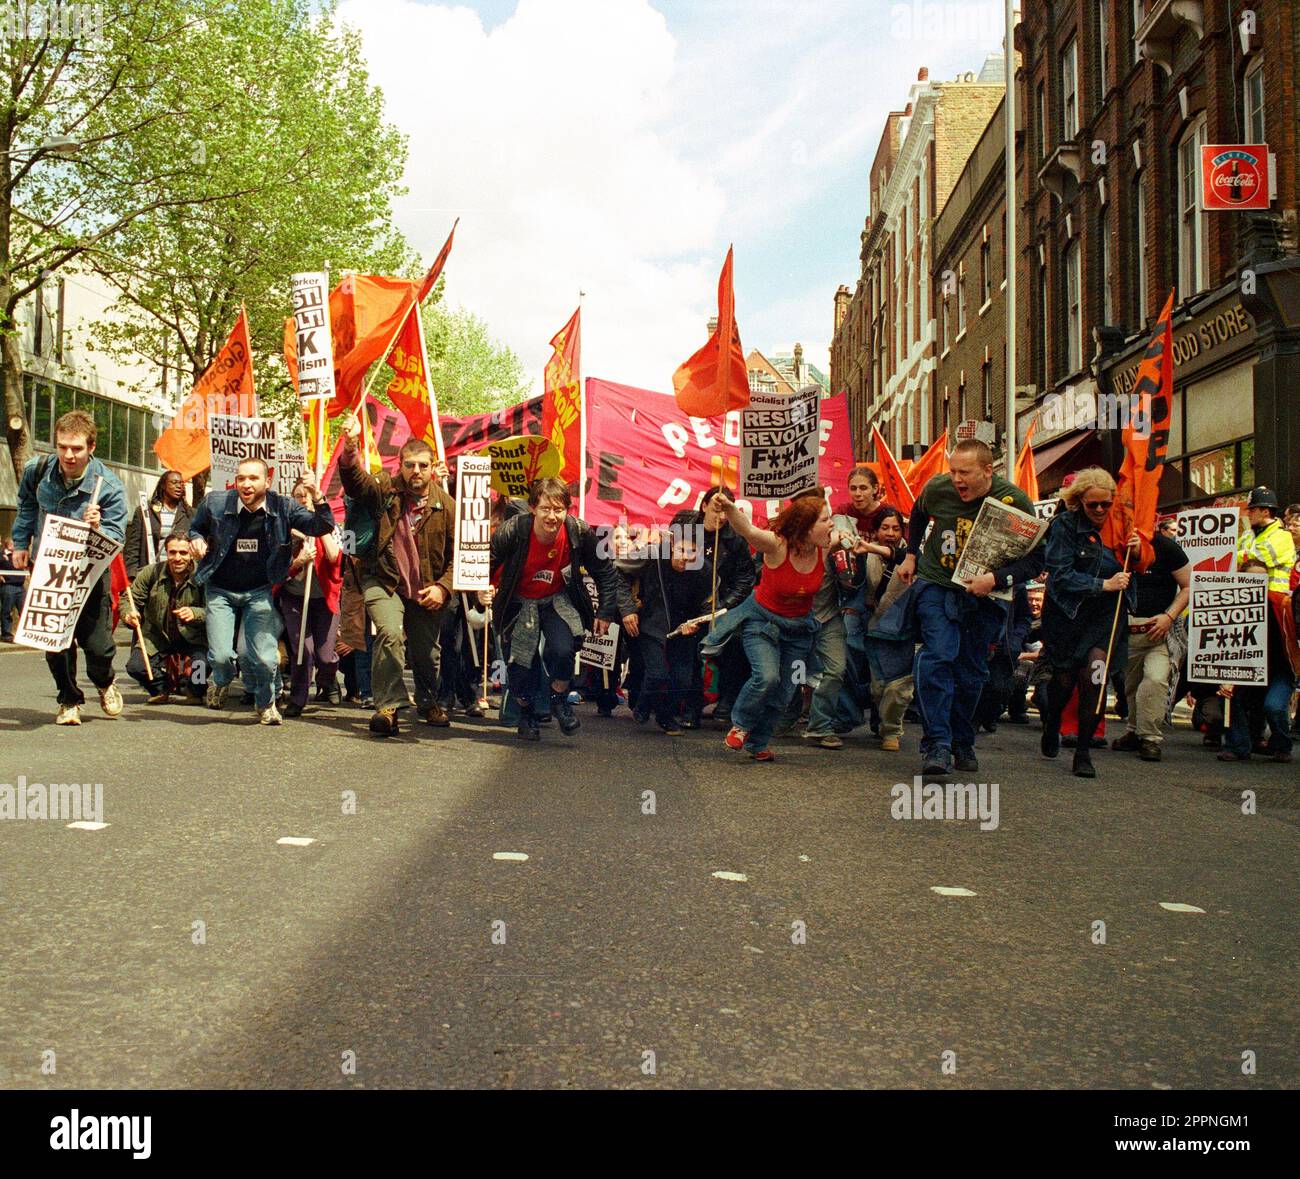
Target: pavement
[[181, 945]]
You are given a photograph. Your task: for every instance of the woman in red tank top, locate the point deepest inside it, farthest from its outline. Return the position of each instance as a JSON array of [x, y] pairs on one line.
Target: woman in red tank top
[[776, 625]]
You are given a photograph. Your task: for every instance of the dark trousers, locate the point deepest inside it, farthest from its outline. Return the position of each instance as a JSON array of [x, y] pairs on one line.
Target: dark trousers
[[156, 680], [94, 634], [459, 678], [667, 687], [355, 666], [533, 683], [318, 651], [11, 599]]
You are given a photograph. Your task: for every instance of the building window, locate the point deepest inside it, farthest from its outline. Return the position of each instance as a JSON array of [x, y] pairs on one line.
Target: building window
[[1044, 318], [1042, 121], [1139, 15], [1006, 253], [1070, 90], [1254, 103], [1073, 311], [1140, 237], [961, 298], [986, 391], [1107, 301], [1103, 46], [1192, 222], [961, 402], [986, 270], [945, 324], [59, 307]]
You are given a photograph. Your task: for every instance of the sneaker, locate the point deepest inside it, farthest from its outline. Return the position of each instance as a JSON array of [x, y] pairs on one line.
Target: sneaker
[[476, 708], [367, 702], [270, 715], [69, 714], [292, 710], [763, 755], [528, 730], [436, 716], [690, 722], [966, 761], [1083, 767], [158, 698], [640, 715], [889, 744], [671, 728], [937, 762], [1018, 718], [110, 700], [384, 722], [735, 739], [1128, 743], [1228, 755], [831, 741], [562, 710], [1149, 750], [216, 697]]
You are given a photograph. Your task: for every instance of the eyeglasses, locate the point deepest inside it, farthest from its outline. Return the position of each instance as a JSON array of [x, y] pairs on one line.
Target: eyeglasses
[[1099, 505]]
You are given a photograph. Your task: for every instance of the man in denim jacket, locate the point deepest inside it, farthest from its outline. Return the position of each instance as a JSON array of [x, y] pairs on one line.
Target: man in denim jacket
[[63, 485], [243, 538]]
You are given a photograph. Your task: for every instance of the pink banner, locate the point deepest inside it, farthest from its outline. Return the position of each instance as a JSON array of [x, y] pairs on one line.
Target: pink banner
[[647, 460]]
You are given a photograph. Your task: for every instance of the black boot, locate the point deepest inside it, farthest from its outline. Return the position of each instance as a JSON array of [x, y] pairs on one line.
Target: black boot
[[527, 730], [1082, 767], [564, 715]]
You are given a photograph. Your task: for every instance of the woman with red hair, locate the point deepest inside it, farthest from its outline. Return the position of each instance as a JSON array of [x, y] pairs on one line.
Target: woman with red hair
[[776, 624]]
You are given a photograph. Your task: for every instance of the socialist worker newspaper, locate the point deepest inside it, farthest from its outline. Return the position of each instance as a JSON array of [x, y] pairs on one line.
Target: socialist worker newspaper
[[1000, 534]]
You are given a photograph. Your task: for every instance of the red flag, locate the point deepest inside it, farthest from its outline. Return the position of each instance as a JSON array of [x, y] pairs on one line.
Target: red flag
[[117, 583], [892, 481], [1026, 473], [562, 400], [438, 263], [226, 387], [715, 379], [1146, 444], [933, 462], [410, 388]]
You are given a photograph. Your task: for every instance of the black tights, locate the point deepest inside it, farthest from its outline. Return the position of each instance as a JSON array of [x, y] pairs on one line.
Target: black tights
[[1087, 680]]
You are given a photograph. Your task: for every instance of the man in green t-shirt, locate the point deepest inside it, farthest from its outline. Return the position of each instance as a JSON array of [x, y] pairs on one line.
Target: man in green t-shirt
[[958, 624]]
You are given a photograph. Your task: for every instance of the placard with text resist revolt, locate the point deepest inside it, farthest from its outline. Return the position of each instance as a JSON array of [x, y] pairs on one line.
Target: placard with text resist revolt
[[1227, 634], [71, 558]]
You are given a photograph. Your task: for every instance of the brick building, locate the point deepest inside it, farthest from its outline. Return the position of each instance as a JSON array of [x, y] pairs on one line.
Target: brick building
[[1116, 97], [883, 349]]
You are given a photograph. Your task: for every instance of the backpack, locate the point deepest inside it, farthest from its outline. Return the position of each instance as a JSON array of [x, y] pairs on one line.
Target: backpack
[[362, 526]]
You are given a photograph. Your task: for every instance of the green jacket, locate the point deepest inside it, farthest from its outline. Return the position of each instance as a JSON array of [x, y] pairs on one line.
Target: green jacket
[[151, 592]]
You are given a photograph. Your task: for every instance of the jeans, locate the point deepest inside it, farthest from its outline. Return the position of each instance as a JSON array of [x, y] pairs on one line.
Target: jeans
[[319, 655], [1276, 698], [831, 652], [255, 613], [11, 597], [773, 644], [403, 629], [93, 633], [952, 662], [554, 665], [668, 688]]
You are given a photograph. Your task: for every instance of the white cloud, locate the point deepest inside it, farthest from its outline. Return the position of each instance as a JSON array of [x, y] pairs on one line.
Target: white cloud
[[543, 135]]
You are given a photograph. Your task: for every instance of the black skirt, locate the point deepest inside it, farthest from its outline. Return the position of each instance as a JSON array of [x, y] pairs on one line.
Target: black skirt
[[1068, 641]]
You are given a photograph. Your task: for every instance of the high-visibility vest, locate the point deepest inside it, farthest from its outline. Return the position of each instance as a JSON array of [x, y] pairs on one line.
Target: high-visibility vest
[[1274, 547]]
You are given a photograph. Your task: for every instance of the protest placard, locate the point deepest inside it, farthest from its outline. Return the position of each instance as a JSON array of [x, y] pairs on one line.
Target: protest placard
[[600, 651], [1227, 632], [779, 444], [289, 465], [1046, 509], [1000, 534], [236, 439], [472, 555], [70, 559], [517, 462], [1209, 537], [315, 347]]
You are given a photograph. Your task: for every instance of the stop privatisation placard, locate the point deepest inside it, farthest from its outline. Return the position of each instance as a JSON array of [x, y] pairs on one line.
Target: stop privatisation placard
[[1209, 537]]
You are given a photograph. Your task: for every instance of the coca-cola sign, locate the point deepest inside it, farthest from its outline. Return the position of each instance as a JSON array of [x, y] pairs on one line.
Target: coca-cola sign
[[1234, 176]]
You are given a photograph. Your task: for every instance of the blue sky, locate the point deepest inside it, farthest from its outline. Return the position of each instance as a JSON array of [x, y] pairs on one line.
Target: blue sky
[[620, 145]]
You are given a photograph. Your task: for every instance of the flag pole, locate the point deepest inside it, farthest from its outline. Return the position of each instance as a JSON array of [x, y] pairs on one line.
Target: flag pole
[[487, 630], [139, 633], [582, 432], [435, 421], [1114, 626]]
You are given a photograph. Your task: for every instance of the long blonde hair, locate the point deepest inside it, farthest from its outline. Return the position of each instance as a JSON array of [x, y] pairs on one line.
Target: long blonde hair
[[1088, 479]]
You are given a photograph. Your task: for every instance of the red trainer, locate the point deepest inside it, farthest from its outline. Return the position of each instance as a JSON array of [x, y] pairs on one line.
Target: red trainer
[[763, 755], [736, 738]]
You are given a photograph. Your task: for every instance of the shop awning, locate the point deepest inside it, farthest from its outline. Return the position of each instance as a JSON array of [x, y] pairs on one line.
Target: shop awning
[[1059, 449]]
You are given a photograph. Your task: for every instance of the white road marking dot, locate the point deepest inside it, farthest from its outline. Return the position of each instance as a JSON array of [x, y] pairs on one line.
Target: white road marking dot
[[295, 841], [730, 876], [1179, 907], [518, 857], [727, 1011], [952, 892], [753, 949], [803, 859], [86, 825]]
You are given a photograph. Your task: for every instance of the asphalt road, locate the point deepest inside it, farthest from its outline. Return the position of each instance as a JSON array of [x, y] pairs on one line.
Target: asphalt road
[[376, 943]]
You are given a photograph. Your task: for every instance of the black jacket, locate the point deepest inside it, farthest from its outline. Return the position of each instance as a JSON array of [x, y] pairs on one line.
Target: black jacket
[[510, 550], [135, 551], [736, 573], [669, 598]]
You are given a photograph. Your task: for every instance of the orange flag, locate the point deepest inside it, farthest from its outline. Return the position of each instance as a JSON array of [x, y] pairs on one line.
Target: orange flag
[[715, 379], [1026, 474], [410, 388], [933, 462], [562, 399], [892, 481], [1146, 445], [226, 387]]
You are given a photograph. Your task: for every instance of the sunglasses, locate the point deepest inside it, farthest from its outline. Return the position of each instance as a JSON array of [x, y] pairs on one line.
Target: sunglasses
[[1099, 505]]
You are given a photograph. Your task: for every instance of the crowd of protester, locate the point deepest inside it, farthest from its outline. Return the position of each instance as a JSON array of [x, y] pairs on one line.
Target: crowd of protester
[[834, 618]]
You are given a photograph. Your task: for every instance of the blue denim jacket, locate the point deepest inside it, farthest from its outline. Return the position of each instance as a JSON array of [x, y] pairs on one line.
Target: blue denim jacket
[[1078, 562], [43, 493], [217, 522]]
